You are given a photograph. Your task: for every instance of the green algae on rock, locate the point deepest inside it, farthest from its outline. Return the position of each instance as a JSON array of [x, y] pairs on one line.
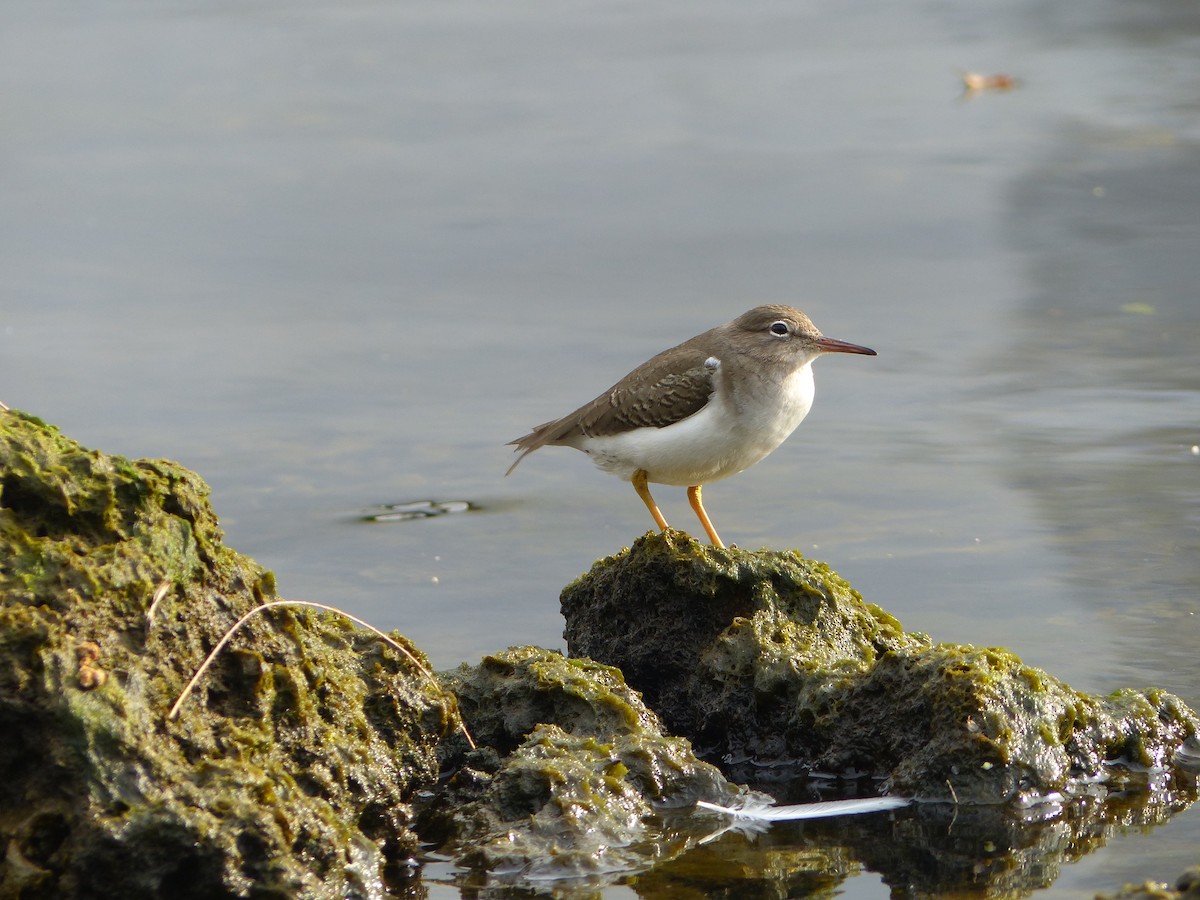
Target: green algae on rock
[[574, 782], [288, 773], [572, 769], [1186, 887], [772, 657]]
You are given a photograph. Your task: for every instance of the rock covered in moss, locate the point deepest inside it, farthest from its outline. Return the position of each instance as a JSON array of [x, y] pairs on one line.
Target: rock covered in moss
[[288, 772], [773, 657], [1186, 887], [571, 772]]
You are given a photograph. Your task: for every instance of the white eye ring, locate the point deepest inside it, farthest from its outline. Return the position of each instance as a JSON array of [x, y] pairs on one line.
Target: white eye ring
[[779, 329]]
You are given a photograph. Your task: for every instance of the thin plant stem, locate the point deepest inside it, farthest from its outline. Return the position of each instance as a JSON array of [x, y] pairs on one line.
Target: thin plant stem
[[309, 603]]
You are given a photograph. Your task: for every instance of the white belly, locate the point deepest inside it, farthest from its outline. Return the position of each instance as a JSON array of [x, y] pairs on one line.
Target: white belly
[[725, 437]]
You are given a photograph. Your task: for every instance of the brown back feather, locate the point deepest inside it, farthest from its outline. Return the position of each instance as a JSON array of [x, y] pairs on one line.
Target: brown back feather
[[670, 387]]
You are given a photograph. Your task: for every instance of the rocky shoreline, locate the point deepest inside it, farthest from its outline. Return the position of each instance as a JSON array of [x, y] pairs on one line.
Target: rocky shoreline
[[316, 761]]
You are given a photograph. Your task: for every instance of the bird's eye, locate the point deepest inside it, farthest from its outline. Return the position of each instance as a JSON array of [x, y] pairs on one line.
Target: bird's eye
[[779, 329]]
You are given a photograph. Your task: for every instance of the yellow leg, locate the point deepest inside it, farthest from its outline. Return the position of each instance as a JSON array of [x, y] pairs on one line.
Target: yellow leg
[[643, 488], [698, 506]]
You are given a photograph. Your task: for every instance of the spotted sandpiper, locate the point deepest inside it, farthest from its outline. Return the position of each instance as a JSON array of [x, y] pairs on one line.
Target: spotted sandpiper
[[701, 411]]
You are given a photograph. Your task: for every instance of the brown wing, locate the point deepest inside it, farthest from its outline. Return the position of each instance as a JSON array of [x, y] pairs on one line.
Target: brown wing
[[667, 389]]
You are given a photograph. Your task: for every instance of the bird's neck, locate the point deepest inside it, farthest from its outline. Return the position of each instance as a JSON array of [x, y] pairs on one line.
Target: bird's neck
[[787, 392]]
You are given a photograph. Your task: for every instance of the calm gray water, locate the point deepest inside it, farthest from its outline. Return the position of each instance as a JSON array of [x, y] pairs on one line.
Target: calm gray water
[[336, 255]]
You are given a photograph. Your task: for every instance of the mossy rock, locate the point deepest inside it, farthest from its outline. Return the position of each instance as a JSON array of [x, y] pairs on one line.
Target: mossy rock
[[289, 771], [1186, 887], [772, 657], [571, 772]]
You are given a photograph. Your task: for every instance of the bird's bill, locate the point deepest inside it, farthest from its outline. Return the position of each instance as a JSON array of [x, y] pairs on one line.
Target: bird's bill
[[832, 345]]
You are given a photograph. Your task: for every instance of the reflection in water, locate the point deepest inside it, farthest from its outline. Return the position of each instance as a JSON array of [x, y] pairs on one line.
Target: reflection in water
[[931, 849]]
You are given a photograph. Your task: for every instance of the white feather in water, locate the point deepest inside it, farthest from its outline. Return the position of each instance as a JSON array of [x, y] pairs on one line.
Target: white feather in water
[[755, 811]]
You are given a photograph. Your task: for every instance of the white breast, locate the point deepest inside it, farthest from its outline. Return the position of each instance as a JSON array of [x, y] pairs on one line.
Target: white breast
[[728, 435]]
